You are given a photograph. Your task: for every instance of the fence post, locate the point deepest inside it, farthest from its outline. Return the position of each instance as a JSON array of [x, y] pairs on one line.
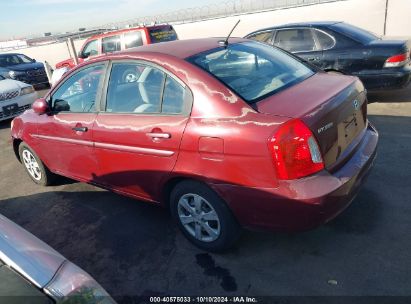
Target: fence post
[[72, 50], [48, 69]]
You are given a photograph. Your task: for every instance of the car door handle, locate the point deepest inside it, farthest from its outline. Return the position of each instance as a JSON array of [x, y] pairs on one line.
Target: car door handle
[[314, 59], [80, 129], [155, 135]]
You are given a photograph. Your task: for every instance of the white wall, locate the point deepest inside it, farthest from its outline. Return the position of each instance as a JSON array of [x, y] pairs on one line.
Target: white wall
[[368, 14], [52, 53], [399, 18]]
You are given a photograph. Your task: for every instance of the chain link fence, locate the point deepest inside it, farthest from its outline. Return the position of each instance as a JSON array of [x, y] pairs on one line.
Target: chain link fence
[[222, 9]]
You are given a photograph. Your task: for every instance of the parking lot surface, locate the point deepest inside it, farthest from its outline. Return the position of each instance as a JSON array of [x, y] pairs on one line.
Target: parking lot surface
[[133, 248]]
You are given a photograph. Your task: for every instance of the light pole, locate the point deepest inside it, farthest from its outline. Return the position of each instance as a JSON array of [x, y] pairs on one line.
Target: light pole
[[385, 20]]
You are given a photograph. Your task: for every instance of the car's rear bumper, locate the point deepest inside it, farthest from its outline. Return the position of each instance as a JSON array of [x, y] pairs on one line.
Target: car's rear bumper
[[390, 78], [305, 203]]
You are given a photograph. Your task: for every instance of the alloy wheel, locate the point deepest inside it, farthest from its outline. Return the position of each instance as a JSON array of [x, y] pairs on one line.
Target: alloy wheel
[[31, 165], [198, 217]]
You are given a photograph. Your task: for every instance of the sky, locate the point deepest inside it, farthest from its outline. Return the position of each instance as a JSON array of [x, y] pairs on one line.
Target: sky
[[21, 18]]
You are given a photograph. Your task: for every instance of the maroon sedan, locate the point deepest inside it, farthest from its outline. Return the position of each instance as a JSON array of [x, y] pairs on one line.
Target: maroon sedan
[[226, 136]]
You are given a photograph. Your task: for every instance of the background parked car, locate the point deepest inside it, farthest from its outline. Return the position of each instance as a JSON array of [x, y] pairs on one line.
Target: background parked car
[[15, 97], [122, 40], [33, 272], [225, 135], [381, 63], [23, 68]]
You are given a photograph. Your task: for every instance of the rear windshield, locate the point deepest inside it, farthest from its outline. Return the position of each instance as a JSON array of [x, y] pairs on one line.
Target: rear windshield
[[253, 70], [162, 34], [354, 32]]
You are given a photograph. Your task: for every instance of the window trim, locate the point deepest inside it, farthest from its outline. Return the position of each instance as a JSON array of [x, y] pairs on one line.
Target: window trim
[[317, 46], [100, 87], [270, 41], [318, 40], [188, 100]]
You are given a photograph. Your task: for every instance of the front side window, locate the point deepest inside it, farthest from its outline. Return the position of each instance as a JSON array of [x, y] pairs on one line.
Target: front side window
[[133, 39], [150, 90], [111, 44], [252, 70], [263, 37], [79, 92], [91, 49], [295, 40]]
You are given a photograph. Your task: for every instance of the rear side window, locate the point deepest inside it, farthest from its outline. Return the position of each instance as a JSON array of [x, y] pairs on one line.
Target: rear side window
[[326, 41], [173, 97], [139, 88], [252, 70], [263, 37], [295, 40], [133, 39], [162, 34], [111, 44]]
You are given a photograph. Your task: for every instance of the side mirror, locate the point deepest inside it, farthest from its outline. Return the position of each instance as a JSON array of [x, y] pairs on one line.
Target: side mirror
[[83, 55], [40, 106], [33, 60]]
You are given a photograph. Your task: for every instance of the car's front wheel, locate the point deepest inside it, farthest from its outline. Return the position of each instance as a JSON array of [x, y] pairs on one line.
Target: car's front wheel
[[35, 168], [203, 216]]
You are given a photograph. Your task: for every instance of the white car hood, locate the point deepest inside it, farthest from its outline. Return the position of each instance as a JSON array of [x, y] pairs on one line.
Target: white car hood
[[8, 85]]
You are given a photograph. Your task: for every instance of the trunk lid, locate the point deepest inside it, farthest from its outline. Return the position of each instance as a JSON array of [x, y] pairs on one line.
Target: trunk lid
[[387, 47], [334, 107]]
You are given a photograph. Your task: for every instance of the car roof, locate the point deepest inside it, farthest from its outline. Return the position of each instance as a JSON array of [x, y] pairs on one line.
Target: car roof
[[121, 31], [180, 48], [7, 54], [299, 24]]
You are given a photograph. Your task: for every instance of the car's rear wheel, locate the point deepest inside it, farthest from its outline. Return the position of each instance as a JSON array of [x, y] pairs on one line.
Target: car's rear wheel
[[203, 216], [35, 168]]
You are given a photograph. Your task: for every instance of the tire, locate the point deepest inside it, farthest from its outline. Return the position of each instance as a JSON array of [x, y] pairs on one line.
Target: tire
[[202, 209], [34, 167]]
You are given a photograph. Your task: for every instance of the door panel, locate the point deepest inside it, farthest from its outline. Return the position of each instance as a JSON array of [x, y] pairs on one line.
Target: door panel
[[65, 135], [137, 138], [135, 152], [66, 150]]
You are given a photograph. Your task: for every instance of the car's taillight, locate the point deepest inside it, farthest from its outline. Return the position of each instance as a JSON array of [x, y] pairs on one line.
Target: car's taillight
[[397, 60], [295, 151]]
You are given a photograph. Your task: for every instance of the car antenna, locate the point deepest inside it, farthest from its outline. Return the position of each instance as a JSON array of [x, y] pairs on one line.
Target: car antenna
[[225, 42]]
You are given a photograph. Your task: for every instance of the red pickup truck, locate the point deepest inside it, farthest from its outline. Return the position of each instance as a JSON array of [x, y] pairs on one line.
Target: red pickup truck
[[121, 40]]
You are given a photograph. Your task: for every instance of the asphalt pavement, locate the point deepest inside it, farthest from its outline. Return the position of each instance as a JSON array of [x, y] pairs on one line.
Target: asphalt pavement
[[133, 248]]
